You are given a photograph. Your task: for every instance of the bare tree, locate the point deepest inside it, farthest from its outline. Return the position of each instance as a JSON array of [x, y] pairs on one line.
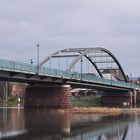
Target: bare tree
[[5, 90]]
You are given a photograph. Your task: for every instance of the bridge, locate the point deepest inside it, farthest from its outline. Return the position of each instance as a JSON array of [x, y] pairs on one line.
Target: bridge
[[94, 68]]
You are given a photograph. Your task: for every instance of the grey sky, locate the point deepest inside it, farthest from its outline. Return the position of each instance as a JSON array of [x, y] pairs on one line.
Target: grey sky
[[59, 24]]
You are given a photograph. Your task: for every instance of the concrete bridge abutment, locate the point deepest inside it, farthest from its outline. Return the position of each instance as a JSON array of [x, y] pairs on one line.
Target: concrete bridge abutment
[[48, 96], [119, 99]]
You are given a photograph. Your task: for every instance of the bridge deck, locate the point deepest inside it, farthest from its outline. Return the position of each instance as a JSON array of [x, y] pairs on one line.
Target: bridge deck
[[23, 68]]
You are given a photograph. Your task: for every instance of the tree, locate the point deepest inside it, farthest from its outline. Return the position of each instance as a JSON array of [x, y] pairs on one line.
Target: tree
[[5, 90]]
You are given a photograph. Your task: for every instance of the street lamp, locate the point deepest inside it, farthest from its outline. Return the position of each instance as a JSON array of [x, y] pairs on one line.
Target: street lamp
[[131, 94], [81, 67], [131, 79], [38, 58]]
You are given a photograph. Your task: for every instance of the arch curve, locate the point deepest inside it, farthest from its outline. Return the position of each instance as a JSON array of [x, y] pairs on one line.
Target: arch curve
[[83, 52]]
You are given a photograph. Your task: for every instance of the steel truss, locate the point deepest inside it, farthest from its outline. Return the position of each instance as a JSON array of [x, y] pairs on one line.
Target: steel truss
[[96, 56]]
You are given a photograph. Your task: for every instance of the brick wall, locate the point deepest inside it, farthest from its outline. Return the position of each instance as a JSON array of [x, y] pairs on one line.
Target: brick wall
[[51, 97]]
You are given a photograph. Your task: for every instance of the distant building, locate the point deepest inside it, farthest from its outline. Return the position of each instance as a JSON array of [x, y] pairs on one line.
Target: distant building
[[138, 81], [114, 74]]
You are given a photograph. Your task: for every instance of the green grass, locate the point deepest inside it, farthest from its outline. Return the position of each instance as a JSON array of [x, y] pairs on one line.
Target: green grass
[[86, 102], [1, 101], [11, 101]]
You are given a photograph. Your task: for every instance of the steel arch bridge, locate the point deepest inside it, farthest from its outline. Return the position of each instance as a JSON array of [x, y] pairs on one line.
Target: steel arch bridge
[[100, 59], [94, 68]]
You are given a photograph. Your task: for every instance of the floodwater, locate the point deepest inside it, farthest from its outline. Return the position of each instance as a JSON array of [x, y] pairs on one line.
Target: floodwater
[[40, 124]]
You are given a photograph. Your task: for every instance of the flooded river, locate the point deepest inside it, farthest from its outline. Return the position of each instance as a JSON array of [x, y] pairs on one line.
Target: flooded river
[[40, 124]]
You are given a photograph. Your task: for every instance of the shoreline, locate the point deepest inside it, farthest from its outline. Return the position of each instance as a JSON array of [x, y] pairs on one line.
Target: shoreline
[[105, 110], [89, 110]]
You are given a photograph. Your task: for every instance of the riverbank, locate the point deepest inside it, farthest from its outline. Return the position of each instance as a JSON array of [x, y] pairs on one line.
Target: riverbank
[[131, 110], [105, 110], [97, 110]]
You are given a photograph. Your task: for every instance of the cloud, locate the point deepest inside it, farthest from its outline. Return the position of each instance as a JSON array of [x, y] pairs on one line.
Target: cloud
[[55, 25]]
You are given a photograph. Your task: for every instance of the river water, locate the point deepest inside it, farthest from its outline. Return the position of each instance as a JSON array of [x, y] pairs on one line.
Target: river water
[[17, 123]]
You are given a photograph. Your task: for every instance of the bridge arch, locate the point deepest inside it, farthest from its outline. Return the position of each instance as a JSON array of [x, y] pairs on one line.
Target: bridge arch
[[96, 52]]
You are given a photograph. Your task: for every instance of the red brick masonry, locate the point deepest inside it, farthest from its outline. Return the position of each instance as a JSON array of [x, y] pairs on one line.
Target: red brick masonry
[[48, 96], [118, 100]]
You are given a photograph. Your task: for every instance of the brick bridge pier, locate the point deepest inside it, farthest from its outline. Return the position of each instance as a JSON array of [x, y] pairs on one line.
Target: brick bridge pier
[[50, 96], [59, 96], [120, 99]]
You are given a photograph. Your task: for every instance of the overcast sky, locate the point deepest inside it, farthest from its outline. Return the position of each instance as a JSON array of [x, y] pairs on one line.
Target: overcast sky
[[59, 24]]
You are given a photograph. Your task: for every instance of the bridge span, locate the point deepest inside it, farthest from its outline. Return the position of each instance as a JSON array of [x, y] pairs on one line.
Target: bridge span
[[94, 68]]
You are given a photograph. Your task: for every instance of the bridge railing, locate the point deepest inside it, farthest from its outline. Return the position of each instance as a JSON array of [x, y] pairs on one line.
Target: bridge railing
[[17, 66], [32, 69], [86, 77]]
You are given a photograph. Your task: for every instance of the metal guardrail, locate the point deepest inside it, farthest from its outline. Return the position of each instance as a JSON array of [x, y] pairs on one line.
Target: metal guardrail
[[14, 66]]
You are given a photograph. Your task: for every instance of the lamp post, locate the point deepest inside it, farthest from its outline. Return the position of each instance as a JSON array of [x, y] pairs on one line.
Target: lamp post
[[81, 67], [131, 79], [38, 58], [131, 94]]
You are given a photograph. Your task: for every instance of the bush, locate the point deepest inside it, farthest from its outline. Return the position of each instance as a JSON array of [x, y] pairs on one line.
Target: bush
[[12, 99]]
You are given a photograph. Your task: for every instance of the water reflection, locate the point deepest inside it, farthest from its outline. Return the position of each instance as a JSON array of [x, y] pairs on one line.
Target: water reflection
[[42, 121], [12, 122], [106, 128], [38, 124]]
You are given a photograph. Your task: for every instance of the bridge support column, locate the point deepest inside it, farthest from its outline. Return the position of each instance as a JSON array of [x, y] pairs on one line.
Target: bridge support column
[[57, 96], [119, 99], [135, 99]]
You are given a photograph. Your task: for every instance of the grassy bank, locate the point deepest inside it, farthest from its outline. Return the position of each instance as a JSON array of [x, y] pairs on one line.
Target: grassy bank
[[11, 101], [86, 103]]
